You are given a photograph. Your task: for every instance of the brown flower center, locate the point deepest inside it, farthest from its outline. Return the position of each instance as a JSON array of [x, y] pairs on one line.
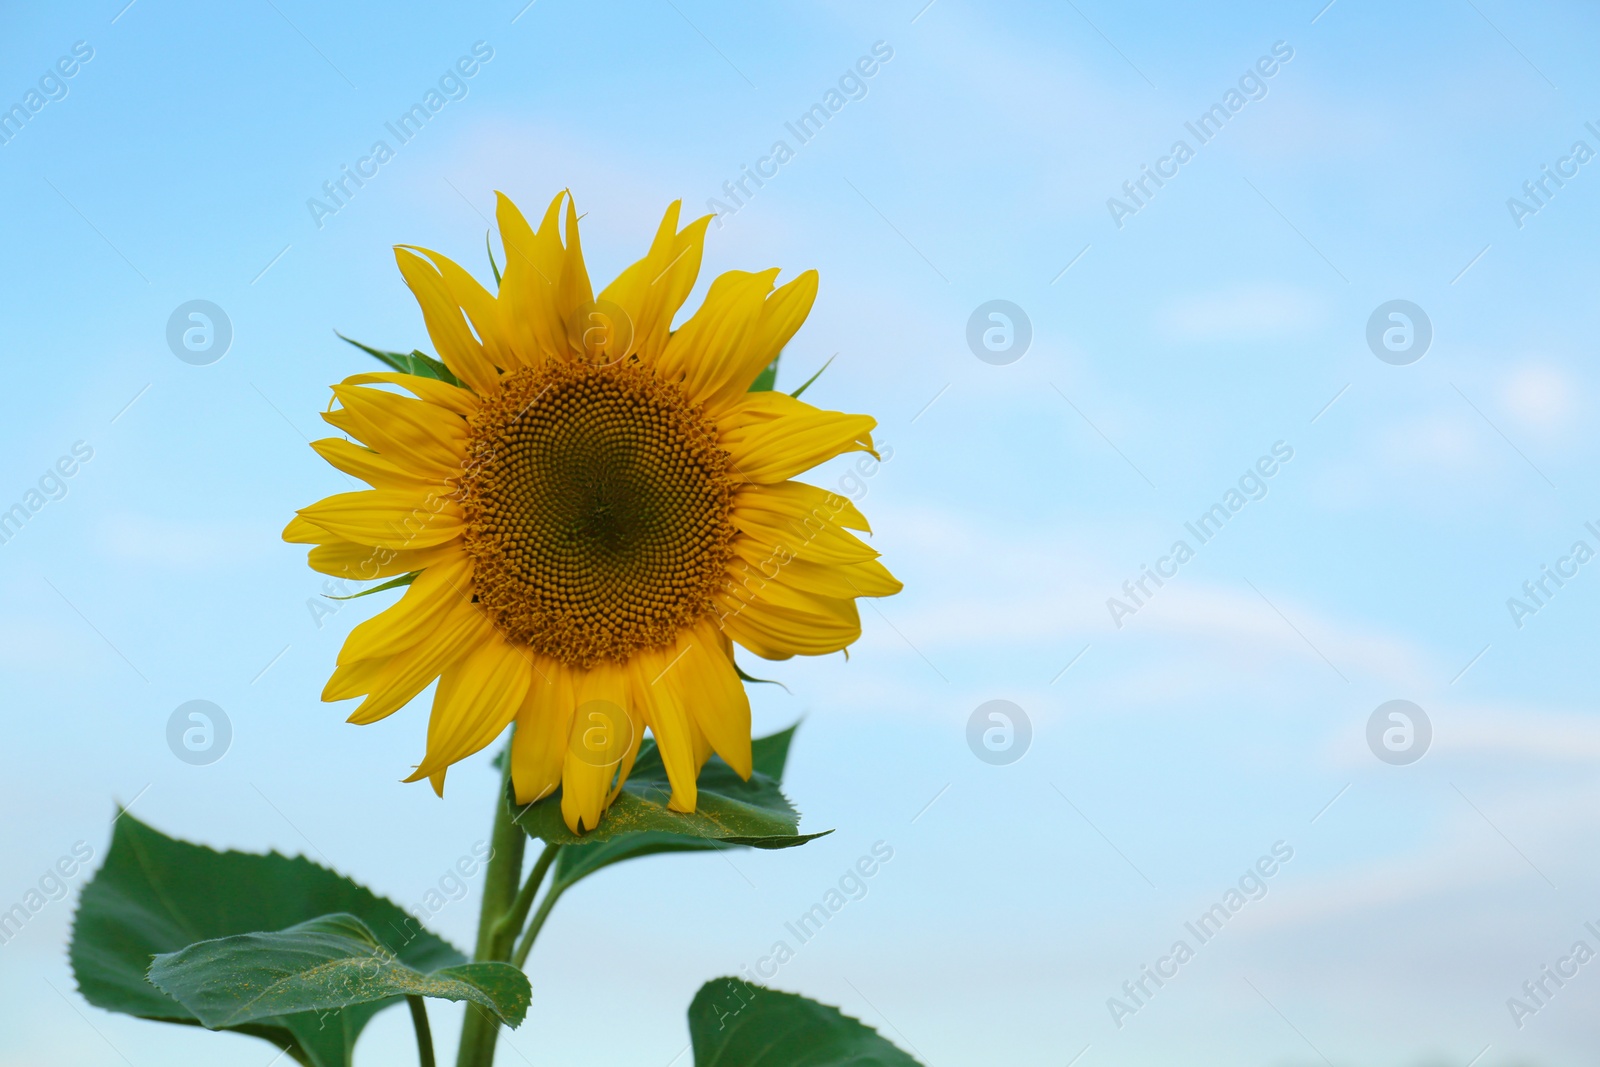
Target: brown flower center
[[597, 507]]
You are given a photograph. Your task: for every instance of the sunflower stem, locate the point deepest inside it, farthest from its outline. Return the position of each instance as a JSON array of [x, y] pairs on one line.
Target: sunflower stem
[[539, 917], [480, 1031], [419, 1019], [510, 924]]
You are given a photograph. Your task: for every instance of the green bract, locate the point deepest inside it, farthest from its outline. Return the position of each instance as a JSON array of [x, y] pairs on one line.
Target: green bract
[[729, 812], [768, 756], [767, 380], [413, 362]]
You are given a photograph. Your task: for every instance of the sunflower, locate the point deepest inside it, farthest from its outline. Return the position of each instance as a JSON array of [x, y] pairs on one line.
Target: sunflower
[[590, 514]]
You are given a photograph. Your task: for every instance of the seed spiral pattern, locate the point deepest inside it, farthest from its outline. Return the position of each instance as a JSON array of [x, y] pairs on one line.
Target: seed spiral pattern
[[597, 510]]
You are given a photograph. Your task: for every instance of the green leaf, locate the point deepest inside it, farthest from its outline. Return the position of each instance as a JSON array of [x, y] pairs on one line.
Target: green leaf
[[392, 583], [419, 363], [322, 964], [735, 1024], [156, 895], [729, 812], [807, 383], [767, 380], [492, 264]]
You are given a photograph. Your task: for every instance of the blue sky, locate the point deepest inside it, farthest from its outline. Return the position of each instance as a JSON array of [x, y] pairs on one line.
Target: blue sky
[[1229, 313]]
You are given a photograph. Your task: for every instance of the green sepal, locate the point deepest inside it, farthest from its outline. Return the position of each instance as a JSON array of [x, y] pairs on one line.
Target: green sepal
[[729, 813], [414, 362], [743, 677], [807, 383], [767, 380], [392, 583]]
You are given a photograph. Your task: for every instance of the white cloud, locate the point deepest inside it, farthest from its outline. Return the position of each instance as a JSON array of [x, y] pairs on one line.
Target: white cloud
[[1528, 733], [1464, 854], [1436, 440], [1249, 312], [1040, 589], [1540, 396]]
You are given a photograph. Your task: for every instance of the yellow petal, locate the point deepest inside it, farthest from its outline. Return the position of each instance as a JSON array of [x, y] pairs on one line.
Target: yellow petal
[[626, 767], [476, 700], [544, 726], [771, 436], [712, 351], [539, 253], [603, 731], [573, 291], [748, 584], [388, 518], [477, 303], [527, 303], [775, 632], [450, 397], [410, 433], [715, 697], [526, 306], [660, 687], [652, 290], [414, 617], [351, 680], [363, 563], [372, 468], [461, 352], [301, 532], [781, 316], [800, 500], [404, 676], [782, 567], [814, 535]]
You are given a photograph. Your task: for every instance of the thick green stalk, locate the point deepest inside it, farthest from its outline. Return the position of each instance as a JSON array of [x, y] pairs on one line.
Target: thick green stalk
[[481, 1030]]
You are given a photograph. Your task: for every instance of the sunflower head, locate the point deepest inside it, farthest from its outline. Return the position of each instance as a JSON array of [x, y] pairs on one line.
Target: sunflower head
[[590, 509]]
